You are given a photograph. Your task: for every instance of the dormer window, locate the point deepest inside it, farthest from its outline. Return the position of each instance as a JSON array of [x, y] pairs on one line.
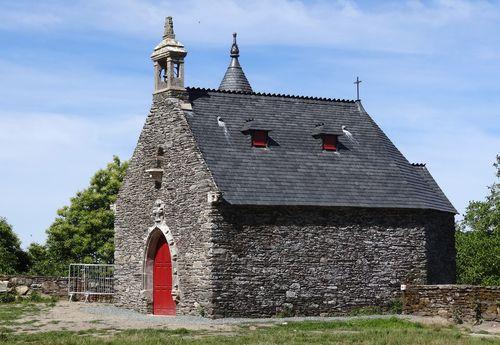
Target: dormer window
[[330, 142], [259, 138], [329, 136], [259, 132]]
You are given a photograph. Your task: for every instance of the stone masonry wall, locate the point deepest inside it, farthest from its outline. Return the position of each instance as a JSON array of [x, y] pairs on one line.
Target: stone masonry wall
[[25, 285], [456, 302], [313, 260], [440, 248], [185, 184]]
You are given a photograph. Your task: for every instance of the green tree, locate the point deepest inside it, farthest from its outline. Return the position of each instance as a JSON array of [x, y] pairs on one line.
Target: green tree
[[40, 263], [12, 258], [478, 239], [83, 231]]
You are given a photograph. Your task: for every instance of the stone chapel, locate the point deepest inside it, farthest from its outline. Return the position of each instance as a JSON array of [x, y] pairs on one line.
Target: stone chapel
[[241, 203]]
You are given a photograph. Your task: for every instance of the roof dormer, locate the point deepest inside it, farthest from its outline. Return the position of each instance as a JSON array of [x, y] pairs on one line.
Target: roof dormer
[[258, 131], [329, 136]]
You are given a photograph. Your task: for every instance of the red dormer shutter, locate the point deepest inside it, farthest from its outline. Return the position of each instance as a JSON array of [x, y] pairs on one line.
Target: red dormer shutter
[[329, 142], [259, 138]]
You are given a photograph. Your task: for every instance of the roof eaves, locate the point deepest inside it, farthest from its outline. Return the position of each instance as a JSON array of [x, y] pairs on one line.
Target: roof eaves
[[429, 180], [237, 202]]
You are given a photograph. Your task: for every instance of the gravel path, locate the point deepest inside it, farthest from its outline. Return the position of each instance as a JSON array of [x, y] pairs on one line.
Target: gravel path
[[112, 311]]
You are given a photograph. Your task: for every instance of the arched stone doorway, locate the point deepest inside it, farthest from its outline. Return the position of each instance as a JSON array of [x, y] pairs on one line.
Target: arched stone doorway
[[160, 272], [163, 303]]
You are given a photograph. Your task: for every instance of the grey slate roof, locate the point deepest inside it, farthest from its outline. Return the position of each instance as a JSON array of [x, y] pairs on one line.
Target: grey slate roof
[[294, 170], [235, 79]]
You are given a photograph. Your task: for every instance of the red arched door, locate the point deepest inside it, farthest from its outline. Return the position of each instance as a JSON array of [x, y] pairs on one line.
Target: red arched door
[[163, 303]]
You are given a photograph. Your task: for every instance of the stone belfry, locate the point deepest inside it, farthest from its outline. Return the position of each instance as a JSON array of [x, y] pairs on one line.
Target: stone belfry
[[168, 57]]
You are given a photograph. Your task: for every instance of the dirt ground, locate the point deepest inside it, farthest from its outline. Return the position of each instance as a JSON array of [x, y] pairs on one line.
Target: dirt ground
[[79, 316]]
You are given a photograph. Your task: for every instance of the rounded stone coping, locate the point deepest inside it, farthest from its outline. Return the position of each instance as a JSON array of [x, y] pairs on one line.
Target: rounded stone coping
[[451, 286]]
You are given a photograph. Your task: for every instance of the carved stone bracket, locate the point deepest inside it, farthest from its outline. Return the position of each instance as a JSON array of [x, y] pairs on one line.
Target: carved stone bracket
[[155, 173], [159, 212]]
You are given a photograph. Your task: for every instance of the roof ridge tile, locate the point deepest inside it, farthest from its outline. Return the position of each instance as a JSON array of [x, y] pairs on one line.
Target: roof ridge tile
[[268, 94]]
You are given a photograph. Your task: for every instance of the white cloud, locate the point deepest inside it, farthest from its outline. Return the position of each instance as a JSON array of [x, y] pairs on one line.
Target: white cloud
[[458, 152], [462, 165], [65, 113], [71, 82], [387, 26], [17, 16], [46, 158]]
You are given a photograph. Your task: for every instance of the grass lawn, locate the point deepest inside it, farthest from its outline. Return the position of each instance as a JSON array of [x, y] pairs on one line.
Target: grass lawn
[[361, 331], [9, 313], [9, 316]]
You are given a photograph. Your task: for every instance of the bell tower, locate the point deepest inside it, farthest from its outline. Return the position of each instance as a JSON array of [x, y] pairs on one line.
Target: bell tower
[[168, 57]]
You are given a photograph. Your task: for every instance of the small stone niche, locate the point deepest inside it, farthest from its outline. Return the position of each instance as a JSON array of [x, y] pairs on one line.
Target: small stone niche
[[156, 173]]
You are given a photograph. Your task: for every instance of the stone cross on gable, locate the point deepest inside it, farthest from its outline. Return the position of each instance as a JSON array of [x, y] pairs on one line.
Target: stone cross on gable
[[159, 211]]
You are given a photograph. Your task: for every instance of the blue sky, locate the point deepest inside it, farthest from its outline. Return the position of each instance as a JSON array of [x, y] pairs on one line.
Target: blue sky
[[76, 81]]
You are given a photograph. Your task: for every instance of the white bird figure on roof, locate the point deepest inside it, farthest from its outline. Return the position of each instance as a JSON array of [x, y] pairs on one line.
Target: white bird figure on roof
[[349, 135], [222, 124]]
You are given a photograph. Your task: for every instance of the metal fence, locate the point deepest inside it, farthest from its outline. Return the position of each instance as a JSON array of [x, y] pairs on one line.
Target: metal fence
[[87, 280]]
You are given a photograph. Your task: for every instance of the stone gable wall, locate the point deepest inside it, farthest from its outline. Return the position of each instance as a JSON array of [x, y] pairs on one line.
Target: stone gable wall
[[313, 260], [185, 184], [457, 302]]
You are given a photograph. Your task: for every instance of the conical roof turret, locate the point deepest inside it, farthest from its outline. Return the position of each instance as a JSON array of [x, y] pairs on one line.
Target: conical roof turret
[[235, 79]]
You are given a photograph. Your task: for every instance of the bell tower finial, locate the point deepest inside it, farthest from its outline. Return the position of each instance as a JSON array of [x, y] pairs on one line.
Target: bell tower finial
[[169, 28], [168, 57]]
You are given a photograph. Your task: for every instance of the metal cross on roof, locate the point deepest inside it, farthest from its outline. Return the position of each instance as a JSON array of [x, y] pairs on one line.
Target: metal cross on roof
[[357, 82]]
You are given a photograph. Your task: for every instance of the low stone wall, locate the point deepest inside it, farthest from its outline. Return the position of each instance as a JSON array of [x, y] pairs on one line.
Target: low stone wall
[[457, 302], [24, 285]]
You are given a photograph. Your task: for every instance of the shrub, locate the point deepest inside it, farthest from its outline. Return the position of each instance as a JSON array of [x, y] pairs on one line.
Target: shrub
[[35, 297], [396, 306], [7, 297], [285, 311]]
